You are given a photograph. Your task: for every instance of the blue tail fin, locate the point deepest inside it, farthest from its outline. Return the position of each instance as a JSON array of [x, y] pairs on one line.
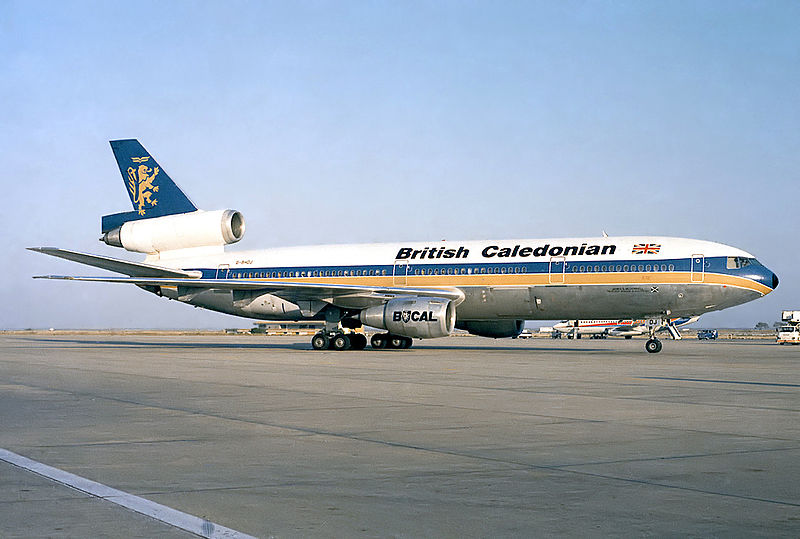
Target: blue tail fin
[[151, 190]]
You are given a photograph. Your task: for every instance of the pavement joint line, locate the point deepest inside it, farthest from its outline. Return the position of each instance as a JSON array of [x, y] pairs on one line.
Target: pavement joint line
[[714, 381], [156, 511]]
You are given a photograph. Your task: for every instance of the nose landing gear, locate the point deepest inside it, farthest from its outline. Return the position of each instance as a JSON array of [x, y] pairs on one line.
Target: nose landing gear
[[653, 345]]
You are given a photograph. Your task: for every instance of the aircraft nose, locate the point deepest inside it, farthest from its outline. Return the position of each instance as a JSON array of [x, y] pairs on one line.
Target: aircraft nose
[[774, 281]]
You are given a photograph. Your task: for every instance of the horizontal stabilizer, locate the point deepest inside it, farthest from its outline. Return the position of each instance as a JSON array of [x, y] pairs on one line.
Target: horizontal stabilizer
[[133, 269]]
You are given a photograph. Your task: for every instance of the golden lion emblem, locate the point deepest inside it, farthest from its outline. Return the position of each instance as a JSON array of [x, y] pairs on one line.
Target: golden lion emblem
[[140, 184]]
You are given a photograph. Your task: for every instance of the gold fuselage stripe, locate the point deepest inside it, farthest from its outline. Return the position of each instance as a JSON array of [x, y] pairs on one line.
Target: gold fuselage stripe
[[528, 279]]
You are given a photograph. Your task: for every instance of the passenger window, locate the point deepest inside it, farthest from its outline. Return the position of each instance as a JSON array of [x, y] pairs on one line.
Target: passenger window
[[672, 267], [625, 267], [647, 267], [597, 268]]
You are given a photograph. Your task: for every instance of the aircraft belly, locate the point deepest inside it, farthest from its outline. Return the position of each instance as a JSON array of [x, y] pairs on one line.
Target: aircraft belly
[[555, 302], [551, 302]]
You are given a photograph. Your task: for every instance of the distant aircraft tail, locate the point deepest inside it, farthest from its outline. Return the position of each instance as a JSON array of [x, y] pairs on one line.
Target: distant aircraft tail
[[151, 190]]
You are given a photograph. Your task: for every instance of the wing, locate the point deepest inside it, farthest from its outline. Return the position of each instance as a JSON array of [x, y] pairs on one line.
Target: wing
[[348, 296], [189, 283]]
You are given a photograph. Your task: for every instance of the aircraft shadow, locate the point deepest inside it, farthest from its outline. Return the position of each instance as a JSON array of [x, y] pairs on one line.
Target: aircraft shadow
[[294, 346]]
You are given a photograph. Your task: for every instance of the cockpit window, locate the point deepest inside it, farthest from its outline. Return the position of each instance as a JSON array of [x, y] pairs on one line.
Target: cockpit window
[[736, 262]]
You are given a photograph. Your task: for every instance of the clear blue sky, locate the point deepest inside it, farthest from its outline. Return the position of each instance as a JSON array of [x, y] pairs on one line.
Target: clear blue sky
[[390, 121]]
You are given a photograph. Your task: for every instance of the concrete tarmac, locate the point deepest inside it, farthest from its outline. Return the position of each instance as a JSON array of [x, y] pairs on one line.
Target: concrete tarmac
[[457, 437]]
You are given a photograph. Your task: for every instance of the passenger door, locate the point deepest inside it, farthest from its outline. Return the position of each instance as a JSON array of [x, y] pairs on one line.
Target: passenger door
[[557, 268], [222, 271], [400, 274], [698, 268]]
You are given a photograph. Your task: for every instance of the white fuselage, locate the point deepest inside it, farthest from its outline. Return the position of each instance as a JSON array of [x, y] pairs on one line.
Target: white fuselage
[[565, 278]]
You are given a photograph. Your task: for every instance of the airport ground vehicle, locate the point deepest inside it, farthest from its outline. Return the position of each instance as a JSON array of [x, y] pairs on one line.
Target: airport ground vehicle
[[414, 289], [707, 334], [789, 332]]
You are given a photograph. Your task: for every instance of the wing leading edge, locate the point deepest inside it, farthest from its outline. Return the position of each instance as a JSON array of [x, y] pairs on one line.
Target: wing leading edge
[[145, 275]]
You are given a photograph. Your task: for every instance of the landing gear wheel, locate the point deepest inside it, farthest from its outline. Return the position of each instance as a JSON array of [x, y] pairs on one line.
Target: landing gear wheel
[[408, 342], [379, 341], [653, 346], [340, 342], [396, 341], [358, 341], [320, 341]]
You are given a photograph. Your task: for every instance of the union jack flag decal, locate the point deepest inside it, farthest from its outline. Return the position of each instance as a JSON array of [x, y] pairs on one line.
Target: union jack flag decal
[[646, 248]]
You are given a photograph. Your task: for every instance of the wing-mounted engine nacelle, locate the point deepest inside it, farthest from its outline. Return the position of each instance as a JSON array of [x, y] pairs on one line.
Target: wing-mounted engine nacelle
[[181, 231], [423, 318], [497, 329]]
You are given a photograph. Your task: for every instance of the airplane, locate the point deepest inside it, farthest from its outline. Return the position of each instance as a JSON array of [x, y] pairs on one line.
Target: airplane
[[618, 328], [411, 289]]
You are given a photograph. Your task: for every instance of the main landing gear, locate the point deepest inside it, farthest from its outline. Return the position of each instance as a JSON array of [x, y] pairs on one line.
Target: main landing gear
[[341, 341], [338, 341], [379, 341], [340, 334]]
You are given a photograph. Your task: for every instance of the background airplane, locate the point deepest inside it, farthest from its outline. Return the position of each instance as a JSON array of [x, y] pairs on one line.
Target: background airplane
[[618, 328]]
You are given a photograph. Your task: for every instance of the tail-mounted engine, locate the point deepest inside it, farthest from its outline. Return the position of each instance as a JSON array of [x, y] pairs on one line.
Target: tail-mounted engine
[[181, 231], [423, 318]]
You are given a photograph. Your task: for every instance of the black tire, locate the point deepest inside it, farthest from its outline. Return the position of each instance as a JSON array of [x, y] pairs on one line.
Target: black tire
[[340, 342], [378, 341], [408, 342], [653, 346], [396, 341], [629, 336], [358, 341], [320, 341]]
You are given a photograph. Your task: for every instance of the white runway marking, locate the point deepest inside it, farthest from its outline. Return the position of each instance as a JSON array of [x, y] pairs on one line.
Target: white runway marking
[[154, 510]]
